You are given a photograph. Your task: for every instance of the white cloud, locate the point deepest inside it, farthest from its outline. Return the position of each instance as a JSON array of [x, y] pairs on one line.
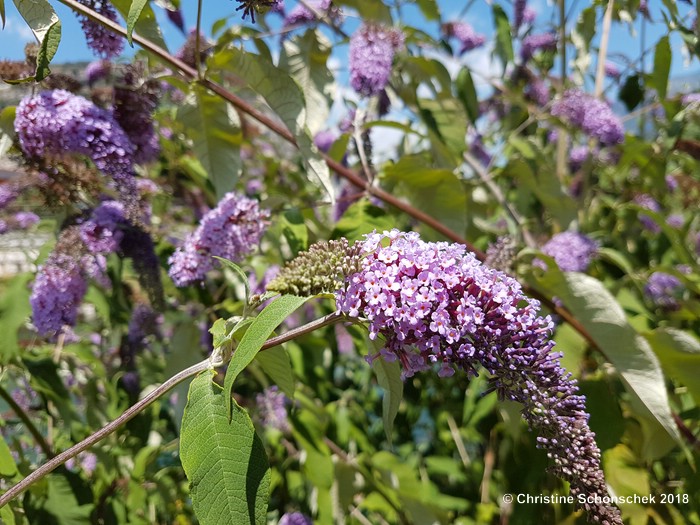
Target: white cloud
[[17, 26]]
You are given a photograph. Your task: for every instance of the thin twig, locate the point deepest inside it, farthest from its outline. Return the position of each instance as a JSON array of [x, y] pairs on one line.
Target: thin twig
[[457, 438], [498, 194], [22, 415], [603, 49], [198, 41], [152, 396], [562, 138]]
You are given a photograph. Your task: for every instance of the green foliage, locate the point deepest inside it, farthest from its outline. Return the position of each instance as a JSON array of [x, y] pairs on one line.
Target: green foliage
[[135, 10], [14, 310], [214, 128], [46, 27], [223, 457], [256, 335]]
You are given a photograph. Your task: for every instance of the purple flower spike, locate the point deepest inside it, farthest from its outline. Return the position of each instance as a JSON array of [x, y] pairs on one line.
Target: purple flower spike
[[97, 70], [56, 123], [594, 117], [57, 293], [295, 518], [102, 233], [571, 251], [272, 407], [648, 202], [534, 43], [372, 51], [612, 71], [437, 307], [103, 42], [663, 290], [26, 219], [232, 230], [465, 34]]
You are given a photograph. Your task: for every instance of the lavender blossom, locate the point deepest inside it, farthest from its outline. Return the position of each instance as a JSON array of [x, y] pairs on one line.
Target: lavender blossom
[[324, 140], [188, 52], [26, 219], [539, 42], [56, 123], [231, 230], [675, 220], [465, 34], [3, 226], [671, 183], [8, 193], [175, 16], [690, 98], [648, 202], [644, 9], [301, 14], [594, 117], [571, 251], [577, 156], [519, 7], [478, 149], [612, 71], [436, 305], [103, 42], [538, 91], [134, 104], [58, 290], [271, 405], [372, 51], [144, 322], [663, 290], [295, 518], [103, 231], [97, 70], [87, 461]]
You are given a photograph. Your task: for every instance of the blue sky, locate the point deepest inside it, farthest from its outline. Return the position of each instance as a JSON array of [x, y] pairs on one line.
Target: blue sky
[[624, 41]]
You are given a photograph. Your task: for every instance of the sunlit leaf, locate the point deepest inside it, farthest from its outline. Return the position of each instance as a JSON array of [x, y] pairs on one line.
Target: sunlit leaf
[[44, 23]]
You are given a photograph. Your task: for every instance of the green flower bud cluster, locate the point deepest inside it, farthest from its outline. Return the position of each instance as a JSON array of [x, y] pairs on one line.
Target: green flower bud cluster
[[322, 269]]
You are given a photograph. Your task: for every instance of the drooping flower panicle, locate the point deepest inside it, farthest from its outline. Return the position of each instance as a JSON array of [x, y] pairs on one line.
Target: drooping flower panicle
[[539, 42], [663, 290], [104, 42], [272, 409], [592, 116], [58, 123], [232, 230], [465, 35], [436, 305], [372, 51], [571, 251]]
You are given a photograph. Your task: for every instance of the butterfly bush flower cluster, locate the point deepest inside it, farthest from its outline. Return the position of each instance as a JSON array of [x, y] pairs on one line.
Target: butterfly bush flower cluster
[[101, 40], [465, 35], [663, 290], [648, 202], [592, 116], [56, 123], [301, 14], [272, 409], [571, 251], [522, 14], [295, 518], [97, 70], [232, 230], [134, 104], [436, 305], [372, 51], [539, 42]]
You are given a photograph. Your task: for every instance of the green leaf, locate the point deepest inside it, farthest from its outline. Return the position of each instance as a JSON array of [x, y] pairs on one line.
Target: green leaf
[[389, 378], [467, 93], [437, 192], [67, 501], [8, 468], [146, 24], [2, 12], [286, 99], [275, 363], [14, 312], [360, 218], [504, 44], [44, 23], [679, 353], [662, 67], [304, 58], [135, 11], [241, 274], [224, 461], [258, 332], [632, 92], [430, 9], [214, 127], [375, 10], [447, 119], [598, 311]]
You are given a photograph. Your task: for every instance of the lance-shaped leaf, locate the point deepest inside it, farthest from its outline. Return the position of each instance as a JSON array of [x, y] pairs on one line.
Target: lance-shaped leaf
[[225, 462], [604, 319], [504, 43], [305, 59], [679, 353], [256, 335], [662, 67], [144, 20], [44, 23], [214, 128], [389, 378], [286, 99]]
